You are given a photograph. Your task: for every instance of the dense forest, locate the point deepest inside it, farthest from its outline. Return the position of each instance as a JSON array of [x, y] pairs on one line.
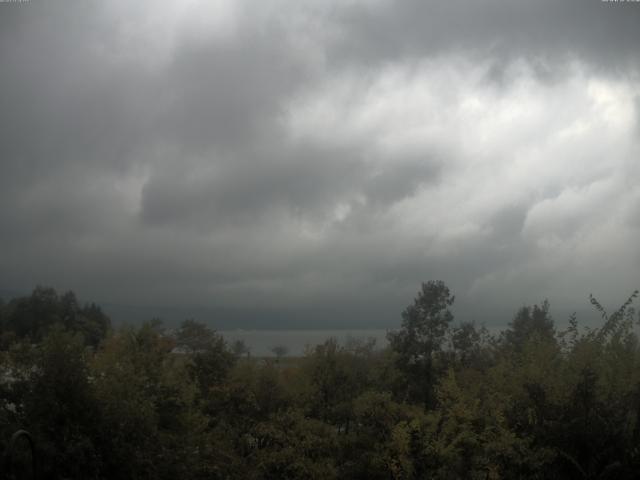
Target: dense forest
[[443, 400]]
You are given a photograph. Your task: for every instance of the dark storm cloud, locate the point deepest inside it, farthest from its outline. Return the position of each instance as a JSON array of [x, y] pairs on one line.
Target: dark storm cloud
[[225, 95], [605, 33], [243, 189], [303, 182], [62, 101], [296, 157], [400, 181]]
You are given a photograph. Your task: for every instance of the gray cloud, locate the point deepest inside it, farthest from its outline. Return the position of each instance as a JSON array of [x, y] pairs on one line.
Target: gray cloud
[[602, 33], [306, 162]]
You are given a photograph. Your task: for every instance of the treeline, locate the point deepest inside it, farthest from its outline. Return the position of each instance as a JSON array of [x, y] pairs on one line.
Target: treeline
[[442, 401]]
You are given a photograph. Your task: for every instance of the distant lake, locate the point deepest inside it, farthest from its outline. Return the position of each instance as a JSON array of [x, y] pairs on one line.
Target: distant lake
[[260, 342]]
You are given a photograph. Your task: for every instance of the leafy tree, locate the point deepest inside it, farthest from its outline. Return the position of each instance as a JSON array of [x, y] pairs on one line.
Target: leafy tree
[[471, 345], [328, 377], [379, 441], [195, 336], [93, 324], [60, 408], [240, 348], [280, 351], [210, 359], [417, 344], [290, 447], [128, 404], [529, 322], [149, 427], [31, 317]]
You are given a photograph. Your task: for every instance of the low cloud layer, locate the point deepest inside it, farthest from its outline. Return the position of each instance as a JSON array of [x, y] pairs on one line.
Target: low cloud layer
[[310, 163]]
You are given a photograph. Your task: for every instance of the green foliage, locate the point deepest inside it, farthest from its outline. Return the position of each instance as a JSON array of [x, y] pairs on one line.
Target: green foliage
[[49, 393], [471, 346], [147, 403], [210, 360], [418, 344], [336, 376], [530, 322], [30, 318], [290, 446]]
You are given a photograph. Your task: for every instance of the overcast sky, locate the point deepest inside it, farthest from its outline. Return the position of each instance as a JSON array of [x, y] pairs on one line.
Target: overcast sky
[[311, 162]]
